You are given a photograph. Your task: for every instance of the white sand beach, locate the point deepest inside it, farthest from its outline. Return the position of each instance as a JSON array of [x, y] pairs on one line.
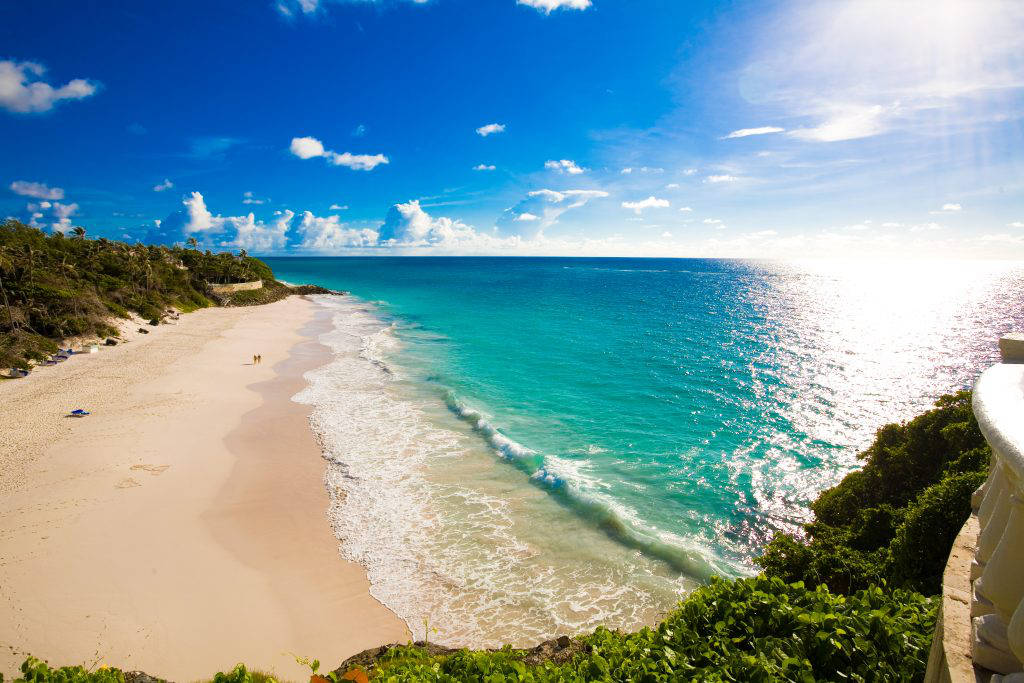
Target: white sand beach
[[180, 528]]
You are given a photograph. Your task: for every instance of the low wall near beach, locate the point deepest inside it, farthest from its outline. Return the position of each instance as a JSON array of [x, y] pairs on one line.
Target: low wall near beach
[[236, 287]]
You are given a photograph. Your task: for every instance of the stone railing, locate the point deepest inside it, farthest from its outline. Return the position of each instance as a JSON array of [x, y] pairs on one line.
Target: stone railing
[[980, 631], [997, 572], [235, 287]]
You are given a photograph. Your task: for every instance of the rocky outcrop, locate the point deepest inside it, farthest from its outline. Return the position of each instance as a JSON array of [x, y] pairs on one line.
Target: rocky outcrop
[[557, 651]]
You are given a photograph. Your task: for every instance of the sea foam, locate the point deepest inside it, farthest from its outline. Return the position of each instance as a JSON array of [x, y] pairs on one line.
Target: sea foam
[[445, 546]]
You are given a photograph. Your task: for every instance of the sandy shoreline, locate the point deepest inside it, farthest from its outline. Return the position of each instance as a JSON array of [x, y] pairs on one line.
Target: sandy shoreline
[[181, 528]]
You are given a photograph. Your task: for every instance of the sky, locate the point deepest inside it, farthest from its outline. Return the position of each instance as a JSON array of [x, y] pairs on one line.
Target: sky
[[774, 129]]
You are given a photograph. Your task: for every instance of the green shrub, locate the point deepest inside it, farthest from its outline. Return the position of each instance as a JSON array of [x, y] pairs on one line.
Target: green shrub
[[895, 519], [758, 629], [37, 671], [918, 552]]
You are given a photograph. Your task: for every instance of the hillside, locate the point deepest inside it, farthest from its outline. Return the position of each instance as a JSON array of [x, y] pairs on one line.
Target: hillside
[[57, 286]]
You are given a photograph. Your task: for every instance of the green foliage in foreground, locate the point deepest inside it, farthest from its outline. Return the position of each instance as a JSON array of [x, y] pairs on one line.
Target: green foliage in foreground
[[37, 671], [757, 629], [896, 519], [53, 287]]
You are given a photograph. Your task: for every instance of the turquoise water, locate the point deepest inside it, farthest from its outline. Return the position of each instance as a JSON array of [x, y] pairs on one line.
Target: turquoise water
[[649, 422]]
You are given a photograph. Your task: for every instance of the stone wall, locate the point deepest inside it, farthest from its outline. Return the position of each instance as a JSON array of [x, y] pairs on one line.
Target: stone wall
[[236, 287]]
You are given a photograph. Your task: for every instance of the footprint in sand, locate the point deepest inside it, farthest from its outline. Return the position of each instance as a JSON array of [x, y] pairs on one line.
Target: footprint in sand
[[152, 469], [127, 483]]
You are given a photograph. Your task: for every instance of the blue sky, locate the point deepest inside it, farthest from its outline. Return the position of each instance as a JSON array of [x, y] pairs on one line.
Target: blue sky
[[600, 127]]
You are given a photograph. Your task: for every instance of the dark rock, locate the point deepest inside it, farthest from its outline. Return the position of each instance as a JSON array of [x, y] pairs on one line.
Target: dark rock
[[154, 322], [141, 677], [314, 289], [110, 341], [143, 330]]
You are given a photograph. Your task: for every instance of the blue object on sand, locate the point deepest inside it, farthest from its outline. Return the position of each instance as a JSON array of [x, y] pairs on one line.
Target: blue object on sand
[[78, 412]]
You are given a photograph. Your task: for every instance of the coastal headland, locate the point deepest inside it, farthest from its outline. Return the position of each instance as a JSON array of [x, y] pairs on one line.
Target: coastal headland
[[180, 528]]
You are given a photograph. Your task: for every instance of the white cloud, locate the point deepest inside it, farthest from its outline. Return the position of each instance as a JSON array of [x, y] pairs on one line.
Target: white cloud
[[724, 178], [483, 167], [165, 185], [685, 208], [547, 6], [339, 207], [892, 224], [672, 186], [329, 234], [197, 217], [22, 91], [666, 235], [690, 171], [358, 162], [53, 215], [249, 198], [254, 235], [490, 129], [651, 202], [745, 132], [1016, 224], [527, 217], [309, 148], [951, 207], [37, 190], [563, 166], [712, 221], [641, 169], [925, 227]]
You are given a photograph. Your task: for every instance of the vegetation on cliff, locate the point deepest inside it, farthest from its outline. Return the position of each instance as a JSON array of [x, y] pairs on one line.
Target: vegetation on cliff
[[57, 286], [895, 519]]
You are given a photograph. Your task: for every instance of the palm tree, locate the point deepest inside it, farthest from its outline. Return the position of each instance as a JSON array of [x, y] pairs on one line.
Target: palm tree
[[6, 265], [78, 231], [192, 243]]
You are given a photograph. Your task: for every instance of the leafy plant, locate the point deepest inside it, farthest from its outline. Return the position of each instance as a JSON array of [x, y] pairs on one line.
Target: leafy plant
[[895, 519]]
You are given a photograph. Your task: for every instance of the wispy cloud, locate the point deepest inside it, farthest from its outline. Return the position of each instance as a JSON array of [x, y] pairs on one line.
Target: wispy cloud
[[651, 202], [211, 147], [547, 6], [38, 190], [745, 132], [23, 91], [723, 178], [490, 129], [484, 167], [165, 185], [248, 197], [563, 166], [543, 207], [641, 169], [309, 148]]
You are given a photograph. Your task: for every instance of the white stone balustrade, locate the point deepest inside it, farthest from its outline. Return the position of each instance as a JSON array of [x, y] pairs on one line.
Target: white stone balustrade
[[997, 606]]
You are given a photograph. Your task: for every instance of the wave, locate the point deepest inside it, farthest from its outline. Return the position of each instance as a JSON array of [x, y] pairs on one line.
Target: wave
[[564, 480], [418, 504]]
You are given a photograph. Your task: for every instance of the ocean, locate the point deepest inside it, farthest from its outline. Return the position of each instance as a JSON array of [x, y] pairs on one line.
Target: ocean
[[526, 447]]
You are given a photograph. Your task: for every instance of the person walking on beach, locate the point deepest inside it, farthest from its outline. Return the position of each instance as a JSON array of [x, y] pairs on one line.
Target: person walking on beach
[[254, 359], [259, 359]]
